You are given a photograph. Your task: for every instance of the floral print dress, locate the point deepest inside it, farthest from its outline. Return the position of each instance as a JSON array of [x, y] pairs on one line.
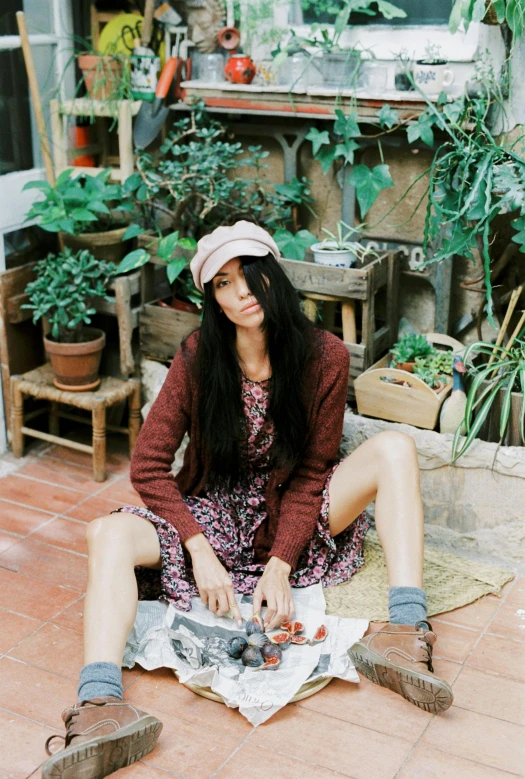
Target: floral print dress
[[230, 518]]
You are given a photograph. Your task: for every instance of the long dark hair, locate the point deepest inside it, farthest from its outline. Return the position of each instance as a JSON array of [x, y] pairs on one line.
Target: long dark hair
[[290, 340]]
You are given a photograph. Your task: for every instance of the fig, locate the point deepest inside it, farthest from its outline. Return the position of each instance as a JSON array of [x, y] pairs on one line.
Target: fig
[[258, 639], [255, 624], [272, 664], [299, 640], [252, 657], [272, 650], [320, 635], [292, 627], [236, 646], [281, 639]]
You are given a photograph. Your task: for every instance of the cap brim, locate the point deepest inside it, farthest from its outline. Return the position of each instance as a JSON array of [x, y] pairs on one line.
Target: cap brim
[[241, 248]]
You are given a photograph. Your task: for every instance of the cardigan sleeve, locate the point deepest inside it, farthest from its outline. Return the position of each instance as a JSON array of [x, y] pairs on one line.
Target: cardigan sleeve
[[302, 499], [160, 437]]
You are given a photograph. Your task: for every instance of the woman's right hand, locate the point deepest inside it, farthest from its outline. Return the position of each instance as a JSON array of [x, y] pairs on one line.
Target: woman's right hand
[[212, 579]]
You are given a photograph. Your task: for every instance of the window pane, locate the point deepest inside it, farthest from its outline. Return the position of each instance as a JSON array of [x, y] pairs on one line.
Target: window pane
[[39, 16], [15, 120], [417, 12]]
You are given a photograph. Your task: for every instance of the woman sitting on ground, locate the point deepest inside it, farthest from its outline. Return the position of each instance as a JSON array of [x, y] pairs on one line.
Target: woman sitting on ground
[[261, 504]]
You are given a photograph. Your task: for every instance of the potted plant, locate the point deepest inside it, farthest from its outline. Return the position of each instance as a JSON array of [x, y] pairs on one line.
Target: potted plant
[[407, 349], [431, 74], [87, 211], [435, 369], [105, 76], [338, 250], [495, 408], [62, 293], [510, 12]]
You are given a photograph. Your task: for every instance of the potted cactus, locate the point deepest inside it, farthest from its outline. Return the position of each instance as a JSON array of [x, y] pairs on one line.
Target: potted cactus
[[62, 293]]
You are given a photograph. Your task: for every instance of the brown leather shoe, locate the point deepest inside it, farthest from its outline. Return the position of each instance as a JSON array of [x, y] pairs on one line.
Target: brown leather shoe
[[102, 735], [400, 657]]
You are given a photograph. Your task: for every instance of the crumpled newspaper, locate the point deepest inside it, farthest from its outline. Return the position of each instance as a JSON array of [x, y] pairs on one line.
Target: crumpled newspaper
[[194, 644]]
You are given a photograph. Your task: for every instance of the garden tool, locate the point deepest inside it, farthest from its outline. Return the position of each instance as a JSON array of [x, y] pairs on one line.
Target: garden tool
[[152, 116]]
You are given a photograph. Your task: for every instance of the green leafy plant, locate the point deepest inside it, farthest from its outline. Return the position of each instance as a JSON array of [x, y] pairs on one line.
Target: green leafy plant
[[433, 54], [510, 12], [506, 374], [410, 346], [340, 241], [77, 203], [436, 367], [64, 289]]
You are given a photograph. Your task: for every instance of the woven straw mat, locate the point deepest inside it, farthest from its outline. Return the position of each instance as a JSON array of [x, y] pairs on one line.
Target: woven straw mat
[[449, 581]]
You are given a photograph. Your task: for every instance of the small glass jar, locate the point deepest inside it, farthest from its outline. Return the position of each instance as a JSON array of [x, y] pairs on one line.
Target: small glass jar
[[211, 68]]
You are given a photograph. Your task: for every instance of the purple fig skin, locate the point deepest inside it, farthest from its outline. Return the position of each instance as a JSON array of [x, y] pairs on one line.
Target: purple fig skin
[[255, 625], [252, 657], [236, 646], [258, 639], [272, 650]]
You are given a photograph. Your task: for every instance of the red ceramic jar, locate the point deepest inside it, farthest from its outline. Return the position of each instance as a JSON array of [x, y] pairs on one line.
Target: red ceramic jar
[[240, 69]]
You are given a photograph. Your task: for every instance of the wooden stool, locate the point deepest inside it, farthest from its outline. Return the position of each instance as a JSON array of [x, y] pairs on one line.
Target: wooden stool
[[347, 313], [39, 384]]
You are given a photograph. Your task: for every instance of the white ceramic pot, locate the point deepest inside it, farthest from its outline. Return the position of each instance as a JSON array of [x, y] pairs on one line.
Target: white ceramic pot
[[433, 78], [336, 258]]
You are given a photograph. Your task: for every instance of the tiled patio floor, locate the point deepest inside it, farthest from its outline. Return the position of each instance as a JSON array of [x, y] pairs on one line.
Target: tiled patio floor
[[359, 731]]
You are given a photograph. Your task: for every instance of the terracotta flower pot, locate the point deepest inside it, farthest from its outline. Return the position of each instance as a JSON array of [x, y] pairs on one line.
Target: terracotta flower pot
[[102, 75], [76, 365], [406, 366], [107, 245]]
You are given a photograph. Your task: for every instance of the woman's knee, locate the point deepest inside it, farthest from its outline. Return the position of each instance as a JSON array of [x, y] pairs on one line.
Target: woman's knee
[[110, 531], [395, 448]]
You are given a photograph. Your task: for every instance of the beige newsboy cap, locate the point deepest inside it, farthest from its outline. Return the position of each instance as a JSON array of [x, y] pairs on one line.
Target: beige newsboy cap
[[224, 243]]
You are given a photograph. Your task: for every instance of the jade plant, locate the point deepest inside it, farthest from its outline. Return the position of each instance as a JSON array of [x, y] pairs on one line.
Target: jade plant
[[64, 290], [78, 203]]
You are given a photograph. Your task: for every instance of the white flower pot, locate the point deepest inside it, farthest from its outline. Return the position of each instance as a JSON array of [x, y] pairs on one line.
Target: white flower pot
[[336, 258], [432, 77]]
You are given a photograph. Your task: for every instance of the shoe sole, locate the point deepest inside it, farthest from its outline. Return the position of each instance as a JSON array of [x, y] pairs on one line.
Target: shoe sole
[[426, 692], [102, 756]]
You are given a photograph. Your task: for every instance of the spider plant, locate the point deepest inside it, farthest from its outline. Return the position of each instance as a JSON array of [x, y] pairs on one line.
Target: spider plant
[[505, 374]]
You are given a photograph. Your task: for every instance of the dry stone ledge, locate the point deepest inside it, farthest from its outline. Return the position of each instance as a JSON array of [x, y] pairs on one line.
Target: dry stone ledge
[[475, 507]]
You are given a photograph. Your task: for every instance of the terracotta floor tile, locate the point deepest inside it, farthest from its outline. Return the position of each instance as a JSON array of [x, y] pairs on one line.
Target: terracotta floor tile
[[446, 669], [142, 771], [509, 622], [516, 593], [7, 540], [476, 615], [453, 642], [369, 706], [332, 744], [21, 745], [123, 492], [192, 751], [495, 696], [258, 763], [54, 649], [59, 472], [92, 508], [479, 738], [65, 533], [500, 655], [44, 562], [19, 519], [432, 764], [36, 494], [72, 616], [35, 693], [117, 457], [31, 597], [13, 628], [161, 690]]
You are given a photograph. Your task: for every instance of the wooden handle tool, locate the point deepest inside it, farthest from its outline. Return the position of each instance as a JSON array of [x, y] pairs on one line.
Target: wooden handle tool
[[510, 310]]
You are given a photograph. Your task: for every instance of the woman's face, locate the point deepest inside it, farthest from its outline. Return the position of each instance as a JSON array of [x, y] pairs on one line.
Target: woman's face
[[234, 297]]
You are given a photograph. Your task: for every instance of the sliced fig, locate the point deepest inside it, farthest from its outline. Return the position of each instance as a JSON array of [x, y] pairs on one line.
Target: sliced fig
[[292, 627], [236, 646], [320, 635], [299, 640], [255, 624], [258, 639], [272, 664], [281, 639], [252, 657], [272, 650]]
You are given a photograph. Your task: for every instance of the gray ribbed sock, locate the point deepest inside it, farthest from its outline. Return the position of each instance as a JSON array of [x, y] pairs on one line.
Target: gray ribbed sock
[[98, 680], [406, 605]]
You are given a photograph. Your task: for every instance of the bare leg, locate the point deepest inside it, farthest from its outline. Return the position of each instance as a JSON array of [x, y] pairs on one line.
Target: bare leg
[[385, 469], [116, 544]]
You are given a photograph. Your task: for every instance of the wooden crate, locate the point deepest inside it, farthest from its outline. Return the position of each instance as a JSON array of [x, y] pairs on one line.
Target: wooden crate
[[162, 331], [409, 400]]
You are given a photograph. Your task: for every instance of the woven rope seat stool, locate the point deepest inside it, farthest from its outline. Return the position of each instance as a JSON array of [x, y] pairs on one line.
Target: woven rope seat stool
[[38, 383]]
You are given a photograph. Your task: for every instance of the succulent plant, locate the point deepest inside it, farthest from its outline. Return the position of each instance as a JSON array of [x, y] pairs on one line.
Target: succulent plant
[[272, 650], [252, 657], [236, 646]]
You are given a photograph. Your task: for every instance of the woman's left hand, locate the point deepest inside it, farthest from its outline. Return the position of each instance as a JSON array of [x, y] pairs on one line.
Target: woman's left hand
[[274, 588]]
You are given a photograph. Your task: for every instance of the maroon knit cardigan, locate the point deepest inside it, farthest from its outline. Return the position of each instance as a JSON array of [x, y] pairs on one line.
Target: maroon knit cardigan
[[293, 499]]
